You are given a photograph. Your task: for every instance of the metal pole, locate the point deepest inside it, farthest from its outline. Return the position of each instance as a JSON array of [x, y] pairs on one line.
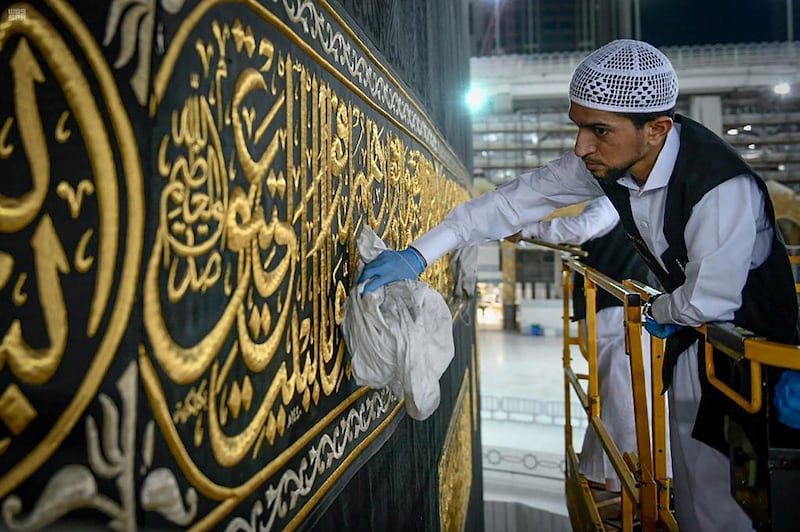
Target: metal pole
[[497, 27], [530, 47], [585, 37], [637, 20], [572, 250], [789, 21]]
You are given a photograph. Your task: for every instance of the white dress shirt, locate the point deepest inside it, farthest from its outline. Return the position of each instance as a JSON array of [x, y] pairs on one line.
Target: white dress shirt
[[728, 232]]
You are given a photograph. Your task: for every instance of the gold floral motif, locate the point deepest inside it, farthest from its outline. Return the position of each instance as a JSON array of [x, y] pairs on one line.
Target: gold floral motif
[[455, 464]]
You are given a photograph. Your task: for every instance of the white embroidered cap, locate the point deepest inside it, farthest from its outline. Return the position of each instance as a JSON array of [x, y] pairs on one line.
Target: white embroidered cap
[[625, 76]]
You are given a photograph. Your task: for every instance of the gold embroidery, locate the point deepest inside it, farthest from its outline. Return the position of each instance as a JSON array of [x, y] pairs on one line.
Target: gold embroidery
[[74, 197], [34, 39], [455, 464], [15, 409]]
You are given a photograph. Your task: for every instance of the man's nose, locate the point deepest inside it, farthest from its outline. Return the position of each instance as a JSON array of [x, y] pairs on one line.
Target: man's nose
[[583, 145]]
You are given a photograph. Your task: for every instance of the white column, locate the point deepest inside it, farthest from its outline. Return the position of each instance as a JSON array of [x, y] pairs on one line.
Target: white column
[[708, 111]]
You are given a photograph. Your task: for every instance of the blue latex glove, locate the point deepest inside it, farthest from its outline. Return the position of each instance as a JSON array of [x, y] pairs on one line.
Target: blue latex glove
[[787, 399], [660, 330], [391, 266]]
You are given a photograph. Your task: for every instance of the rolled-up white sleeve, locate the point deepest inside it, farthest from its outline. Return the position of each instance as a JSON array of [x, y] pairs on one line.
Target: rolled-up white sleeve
[[504, 211], [727, 235], [596, 220]]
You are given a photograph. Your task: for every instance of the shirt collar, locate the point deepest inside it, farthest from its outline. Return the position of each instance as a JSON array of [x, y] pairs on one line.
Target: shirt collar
[[665, 163]]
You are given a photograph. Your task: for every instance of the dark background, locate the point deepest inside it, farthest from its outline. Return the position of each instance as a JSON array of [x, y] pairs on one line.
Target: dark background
[[687, 22], [546, 26]]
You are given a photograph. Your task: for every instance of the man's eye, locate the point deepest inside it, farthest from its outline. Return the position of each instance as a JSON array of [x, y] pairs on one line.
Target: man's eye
[[600, 131]]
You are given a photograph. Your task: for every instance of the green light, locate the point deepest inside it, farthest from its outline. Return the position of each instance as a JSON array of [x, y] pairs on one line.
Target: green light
[[476, 99]]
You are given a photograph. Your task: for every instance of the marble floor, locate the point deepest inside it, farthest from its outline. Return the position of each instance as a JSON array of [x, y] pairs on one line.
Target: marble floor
[[522, 415]]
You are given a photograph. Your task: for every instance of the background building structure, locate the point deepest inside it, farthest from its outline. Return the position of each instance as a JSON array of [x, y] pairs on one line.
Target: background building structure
[[524, 53], [748, 93]]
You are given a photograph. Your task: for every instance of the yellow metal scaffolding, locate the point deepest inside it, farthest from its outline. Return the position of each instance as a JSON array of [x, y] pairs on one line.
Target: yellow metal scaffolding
[[645, 498]]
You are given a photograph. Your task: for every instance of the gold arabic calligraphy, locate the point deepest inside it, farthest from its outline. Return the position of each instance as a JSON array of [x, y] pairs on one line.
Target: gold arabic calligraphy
[[269, 225]]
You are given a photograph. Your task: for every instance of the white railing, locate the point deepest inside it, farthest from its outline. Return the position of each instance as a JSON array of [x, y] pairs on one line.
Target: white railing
[[682, 58]]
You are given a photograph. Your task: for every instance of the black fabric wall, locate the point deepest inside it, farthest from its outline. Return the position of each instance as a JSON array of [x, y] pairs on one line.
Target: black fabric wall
[[427, 43], [183, 183], [397, 489]]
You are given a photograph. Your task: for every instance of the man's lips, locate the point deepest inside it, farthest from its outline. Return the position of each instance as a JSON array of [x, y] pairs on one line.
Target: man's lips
[[591, 165]]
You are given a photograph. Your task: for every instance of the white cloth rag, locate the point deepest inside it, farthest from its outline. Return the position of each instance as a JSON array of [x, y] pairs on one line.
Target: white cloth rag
[[400, 335]]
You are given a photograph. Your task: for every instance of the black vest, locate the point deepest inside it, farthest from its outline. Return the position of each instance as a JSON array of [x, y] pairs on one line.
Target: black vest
[[613, 255], [769, 302]]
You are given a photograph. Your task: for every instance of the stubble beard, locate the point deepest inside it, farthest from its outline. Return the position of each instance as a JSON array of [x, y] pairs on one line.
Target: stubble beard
[[609, 175], [612, 173]]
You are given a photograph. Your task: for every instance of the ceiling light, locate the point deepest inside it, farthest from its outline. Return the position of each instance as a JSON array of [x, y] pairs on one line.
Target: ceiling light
[[782, 88]]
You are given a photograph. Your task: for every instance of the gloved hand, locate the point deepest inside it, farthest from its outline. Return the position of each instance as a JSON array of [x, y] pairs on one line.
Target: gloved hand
[[660, 330], [787, 399], [391, 266]]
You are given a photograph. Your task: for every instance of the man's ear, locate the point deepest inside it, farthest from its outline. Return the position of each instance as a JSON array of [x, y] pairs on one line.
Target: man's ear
[[658, 129]]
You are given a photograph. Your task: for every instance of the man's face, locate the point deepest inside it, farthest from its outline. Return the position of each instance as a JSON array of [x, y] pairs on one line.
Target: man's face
[[611, 145]]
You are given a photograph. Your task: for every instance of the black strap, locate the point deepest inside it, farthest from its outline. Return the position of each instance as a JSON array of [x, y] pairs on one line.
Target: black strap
[[674, 346]]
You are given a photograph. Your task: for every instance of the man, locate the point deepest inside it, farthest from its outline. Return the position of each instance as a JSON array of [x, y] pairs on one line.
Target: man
[[699, 216], [598, 231]]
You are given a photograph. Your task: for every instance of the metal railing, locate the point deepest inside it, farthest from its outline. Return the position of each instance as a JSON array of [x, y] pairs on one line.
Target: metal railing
[[525, 410], [526, 463], [643, 474], [682, 57]]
